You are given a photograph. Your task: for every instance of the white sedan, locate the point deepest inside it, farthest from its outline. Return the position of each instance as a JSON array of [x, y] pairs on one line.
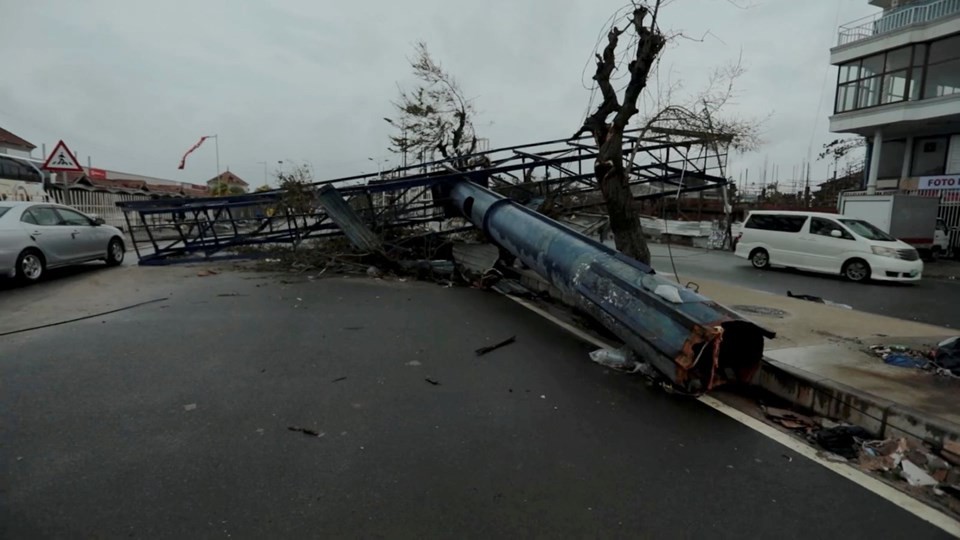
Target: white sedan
[[38, 236]]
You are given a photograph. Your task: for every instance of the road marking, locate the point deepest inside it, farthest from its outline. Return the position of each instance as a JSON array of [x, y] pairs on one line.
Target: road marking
[[864, 480]]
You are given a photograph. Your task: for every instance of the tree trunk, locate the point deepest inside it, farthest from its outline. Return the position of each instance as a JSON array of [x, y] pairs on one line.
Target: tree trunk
[[615, 186]]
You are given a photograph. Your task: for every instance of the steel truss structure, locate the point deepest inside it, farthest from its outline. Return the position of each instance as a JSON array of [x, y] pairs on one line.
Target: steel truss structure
[[665, 163]]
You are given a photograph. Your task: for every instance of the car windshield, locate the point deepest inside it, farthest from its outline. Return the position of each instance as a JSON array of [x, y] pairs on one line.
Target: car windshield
[[3, 210], [866, 230]]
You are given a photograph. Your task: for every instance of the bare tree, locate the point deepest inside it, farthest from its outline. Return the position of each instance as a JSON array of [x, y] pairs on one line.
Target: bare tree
[[609, 169], [435, 116]]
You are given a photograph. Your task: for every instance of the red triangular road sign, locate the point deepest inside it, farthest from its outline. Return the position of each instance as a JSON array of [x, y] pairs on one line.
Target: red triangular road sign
[[61, 159]]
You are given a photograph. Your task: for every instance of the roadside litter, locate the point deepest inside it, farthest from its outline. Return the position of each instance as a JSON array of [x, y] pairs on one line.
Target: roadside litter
[[927, 470], [624, 360], [306, 431], [484, 350], [944, 359], [817, 299]]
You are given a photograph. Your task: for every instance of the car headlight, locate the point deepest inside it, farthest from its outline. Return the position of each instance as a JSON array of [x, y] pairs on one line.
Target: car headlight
[[884, 251]]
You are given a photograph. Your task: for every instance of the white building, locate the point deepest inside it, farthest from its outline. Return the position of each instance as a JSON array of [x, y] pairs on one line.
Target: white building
[[899, 86]]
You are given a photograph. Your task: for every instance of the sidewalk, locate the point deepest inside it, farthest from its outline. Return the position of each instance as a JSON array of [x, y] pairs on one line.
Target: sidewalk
[[820, 360]]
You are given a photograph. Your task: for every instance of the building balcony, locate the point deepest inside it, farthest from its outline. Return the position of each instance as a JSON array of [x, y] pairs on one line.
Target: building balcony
[[892, 20]]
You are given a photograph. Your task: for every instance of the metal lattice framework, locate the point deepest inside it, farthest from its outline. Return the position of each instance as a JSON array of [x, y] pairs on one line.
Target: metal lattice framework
[[555, 176]]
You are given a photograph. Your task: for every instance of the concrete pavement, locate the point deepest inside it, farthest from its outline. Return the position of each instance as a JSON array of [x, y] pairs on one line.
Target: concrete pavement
[[931, 301], [171, 420]]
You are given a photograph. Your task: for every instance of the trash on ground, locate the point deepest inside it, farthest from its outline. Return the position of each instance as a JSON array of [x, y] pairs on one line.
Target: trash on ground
[[339, 379], [618, 359], [484, 350], [789, 419], [190, 407], [374, 272], [817, 299], [207, 272], [914, 475], [947, 355], [944, 360], [905, 361], [306, 431], [432, 381], [843, 440]]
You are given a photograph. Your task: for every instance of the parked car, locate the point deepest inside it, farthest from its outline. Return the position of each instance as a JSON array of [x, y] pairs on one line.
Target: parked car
[[37, 236], [827, 243]]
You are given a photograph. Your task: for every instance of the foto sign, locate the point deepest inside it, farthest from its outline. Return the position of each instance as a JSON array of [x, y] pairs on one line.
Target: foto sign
[[946, 181]]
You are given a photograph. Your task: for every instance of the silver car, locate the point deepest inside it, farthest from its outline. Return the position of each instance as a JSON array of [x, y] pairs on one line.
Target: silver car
[[38, 236]]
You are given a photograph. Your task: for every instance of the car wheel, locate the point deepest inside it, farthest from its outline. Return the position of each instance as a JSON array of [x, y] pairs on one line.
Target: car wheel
[[30, 266], [856, 270], [760, 259], [115, 252]]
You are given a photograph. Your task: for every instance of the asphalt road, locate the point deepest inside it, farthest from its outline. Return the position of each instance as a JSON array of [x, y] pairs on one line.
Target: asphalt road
[[171, 420], [932, 301]]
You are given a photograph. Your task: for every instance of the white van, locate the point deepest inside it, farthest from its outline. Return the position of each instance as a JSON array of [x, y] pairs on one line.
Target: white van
[[828, 243]]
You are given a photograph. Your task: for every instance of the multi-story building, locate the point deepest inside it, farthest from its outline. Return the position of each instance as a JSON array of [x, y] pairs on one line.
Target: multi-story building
[[898, 86]]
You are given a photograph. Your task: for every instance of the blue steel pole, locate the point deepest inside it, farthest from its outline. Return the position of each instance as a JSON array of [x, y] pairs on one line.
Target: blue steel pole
[[694, 341]]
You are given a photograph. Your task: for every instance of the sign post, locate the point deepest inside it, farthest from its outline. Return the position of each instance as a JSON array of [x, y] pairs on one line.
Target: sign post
[[62, 160]]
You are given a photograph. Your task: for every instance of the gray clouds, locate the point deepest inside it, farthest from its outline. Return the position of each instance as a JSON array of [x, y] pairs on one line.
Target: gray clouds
[[134, 83]]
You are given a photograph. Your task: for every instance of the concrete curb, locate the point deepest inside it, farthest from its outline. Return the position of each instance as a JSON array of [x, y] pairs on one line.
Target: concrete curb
[[826, 397]]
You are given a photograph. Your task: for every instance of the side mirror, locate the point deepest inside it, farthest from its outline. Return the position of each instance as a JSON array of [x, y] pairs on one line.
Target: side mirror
[[97, 221], [836, 233]]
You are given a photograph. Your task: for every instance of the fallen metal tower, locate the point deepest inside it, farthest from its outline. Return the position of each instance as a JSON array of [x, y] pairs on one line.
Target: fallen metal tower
[[696, 342]]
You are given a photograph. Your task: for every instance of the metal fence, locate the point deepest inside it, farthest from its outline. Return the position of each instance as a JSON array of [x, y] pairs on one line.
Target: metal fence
[[895, 19]]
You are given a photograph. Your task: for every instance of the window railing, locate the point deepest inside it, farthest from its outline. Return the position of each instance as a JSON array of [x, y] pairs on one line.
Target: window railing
[[895, 19]]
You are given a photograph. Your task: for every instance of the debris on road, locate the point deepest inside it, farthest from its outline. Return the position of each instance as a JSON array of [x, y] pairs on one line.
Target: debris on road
[[432, 381], [947, 355], [817, 299], [484, 350], [207, 272], [943, 360], [843, 440], [339, 379], [789, 419], [306, 431], [190, 407]]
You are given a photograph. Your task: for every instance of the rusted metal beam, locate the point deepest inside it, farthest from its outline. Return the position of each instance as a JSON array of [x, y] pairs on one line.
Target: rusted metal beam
[[694, 341]]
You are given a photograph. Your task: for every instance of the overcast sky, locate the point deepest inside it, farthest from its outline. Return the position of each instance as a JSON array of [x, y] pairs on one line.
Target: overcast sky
[[134, 83]]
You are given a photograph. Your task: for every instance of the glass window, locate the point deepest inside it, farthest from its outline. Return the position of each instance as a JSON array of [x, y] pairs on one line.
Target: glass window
[[850, 72], [894, 87], [871, 65], [892, 154], [847, 97], [3, 210], [825, 227], [916, 76], [869, 94], [945, 49], [27, 217], [867, 230], [69, 217], [44, 215], [929, 156], [919, 55], [942, 79], [771, 222], [898, 59]]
